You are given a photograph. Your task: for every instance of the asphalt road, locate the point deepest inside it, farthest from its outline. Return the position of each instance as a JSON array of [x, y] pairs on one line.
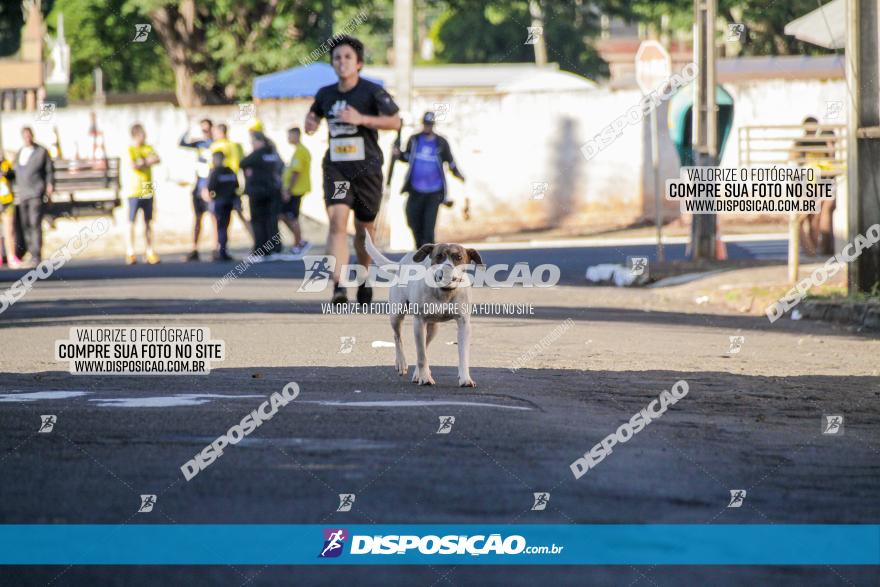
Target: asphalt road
[[752, 420]]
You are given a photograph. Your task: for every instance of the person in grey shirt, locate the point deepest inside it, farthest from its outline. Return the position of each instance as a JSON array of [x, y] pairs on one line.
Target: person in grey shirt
[[34, 177]]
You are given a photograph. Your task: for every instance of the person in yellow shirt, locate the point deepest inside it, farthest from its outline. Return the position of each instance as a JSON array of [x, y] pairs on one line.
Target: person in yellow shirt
[[142, 157], [232, 152], [7, 212], [297, 183]]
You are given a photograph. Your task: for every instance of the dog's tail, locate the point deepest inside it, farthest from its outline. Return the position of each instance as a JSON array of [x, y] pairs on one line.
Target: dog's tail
[[375, 254]]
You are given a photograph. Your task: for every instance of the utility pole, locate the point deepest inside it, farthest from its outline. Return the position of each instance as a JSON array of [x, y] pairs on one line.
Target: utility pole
[[863, 145], [403, 81], [538, 25], [705, 119]]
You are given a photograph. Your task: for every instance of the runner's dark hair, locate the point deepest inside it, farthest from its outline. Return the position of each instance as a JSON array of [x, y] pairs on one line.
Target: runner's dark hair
[[356, 45]]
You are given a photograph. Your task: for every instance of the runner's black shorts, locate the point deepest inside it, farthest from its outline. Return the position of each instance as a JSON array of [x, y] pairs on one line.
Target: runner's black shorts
[[362, 192], [291, 207], [199, 205]]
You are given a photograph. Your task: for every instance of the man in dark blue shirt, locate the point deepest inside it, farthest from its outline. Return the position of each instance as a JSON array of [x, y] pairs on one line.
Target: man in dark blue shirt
[[426, 152]]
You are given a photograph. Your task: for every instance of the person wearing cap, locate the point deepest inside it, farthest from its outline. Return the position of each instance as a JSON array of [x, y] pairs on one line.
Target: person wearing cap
[[426, 152], [262, 183]]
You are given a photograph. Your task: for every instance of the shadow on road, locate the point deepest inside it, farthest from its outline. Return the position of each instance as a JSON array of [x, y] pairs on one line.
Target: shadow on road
[[73, 312]]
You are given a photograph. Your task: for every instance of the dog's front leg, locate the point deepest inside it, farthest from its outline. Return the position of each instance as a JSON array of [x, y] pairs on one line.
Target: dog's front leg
[[422, 374], [399, 357], [464, 352]]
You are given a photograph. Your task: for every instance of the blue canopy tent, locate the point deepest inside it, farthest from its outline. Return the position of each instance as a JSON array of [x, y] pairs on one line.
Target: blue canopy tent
[[297, 82]]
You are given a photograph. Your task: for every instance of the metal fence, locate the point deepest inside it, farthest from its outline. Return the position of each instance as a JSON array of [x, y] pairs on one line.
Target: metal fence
[[820, 145]]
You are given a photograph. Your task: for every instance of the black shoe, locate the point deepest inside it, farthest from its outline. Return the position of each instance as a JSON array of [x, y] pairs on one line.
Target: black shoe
[[222, 257], [340, 296], [365, 294], [193, 256]]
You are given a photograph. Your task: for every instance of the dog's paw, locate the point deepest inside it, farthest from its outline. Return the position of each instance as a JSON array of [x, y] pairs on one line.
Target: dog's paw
[[402, 369], [423, 378], [466, 382]]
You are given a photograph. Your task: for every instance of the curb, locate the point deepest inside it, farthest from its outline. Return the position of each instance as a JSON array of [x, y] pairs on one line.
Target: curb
[[864, 314]]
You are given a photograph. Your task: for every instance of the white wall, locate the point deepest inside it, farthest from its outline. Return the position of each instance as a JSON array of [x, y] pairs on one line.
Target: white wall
[[503, 143]]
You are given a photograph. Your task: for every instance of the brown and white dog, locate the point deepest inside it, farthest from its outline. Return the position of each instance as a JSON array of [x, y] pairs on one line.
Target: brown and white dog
[[446, 290]]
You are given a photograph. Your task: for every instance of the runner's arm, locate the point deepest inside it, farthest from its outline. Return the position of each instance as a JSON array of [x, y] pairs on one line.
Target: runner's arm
[[405, 154], [447, 157], [381, 122], [188, 144]]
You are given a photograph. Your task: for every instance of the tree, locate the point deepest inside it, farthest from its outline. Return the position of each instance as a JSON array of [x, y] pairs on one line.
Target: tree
[[473, 31], [100, 34]]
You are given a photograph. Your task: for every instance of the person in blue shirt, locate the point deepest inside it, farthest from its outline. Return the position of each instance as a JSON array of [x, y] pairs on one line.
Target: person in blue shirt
[[426, 152]]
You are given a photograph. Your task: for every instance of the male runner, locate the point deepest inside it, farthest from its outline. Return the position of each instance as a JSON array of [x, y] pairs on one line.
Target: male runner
[[297, 183], [203, 168], [355, 110]]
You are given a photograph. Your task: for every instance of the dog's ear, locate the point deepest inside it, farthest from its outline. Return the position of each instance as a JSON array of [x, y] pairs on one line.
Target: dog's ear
[[424, 251], [474, 256]]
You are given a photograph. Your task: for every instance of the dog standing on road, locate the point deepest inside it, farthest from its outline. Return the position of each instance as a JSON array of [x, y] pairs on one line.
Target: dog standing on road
[[444, 285]]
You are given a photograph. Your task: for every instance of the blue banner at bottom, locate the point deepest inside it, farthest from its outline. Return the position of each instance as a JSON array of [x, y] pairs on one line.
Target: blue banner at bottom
[[407, 544]]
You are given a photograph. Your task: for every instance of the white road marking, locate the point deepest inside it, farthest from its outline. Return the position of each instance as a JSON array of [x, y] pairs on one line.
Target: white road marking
[[378, 344], [173, 401], [39, 395], [409, 404]]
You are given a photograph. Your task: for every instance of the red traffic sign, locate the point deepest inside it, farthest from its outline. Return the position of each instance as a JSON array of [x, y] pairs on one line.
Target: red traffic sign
[[653, 65]]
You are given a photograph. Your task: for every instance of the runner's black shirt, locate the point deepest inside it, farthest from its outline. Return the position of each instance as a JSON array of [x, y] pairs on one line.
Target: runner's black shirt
[[353, 149]]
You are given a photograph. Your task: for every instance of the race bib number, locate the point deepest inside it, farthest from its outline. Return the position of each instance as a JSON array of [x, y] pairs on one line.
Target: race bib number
[[351, 149]]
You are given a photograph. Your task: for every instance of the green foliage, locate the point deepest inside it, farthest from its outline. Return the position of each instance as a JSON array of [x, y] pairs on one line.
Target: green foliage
[[99, 33], [495, 32]]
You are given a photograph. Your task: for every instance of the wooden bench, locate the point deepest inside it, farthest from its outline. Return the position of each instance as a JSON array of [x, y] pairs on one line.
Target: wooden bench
[[76, 176]]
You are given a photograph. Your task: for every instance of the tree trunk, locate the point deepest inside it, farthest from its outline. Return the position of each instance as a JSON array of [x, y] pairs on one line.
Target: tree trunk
[[176, 28]]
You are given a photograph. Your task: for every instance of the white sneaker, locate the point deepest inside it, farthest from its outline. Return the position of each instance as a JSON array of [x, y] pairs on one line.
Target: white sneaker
[[301, 249]]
